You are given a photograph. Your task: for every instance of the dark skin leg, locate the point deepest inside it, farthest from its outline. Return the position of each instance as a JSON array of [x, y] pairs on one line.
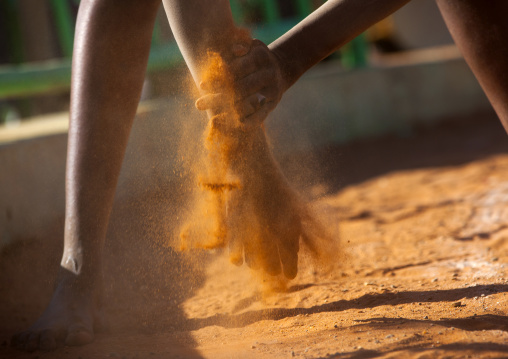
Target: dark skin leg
[[111, 51], [480, 30], [104, 98]]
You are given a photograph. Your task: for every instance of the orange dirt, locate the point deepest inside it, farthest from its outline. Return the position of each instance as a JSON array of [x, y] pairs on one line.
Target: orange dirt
[[424, 222]]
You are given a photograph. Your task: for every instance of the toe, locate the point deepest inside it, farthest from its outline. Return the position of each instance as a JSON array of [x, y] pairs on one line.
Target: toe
[[15, 340], [79, 334], [33, 342], [22, 340], [101, 322], [48, 340]]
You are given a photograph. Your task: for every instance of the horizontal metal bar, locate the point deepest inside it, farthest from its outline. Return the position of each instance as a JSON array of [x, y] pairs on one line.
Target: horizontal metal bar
[[54, 76], [34, 78]]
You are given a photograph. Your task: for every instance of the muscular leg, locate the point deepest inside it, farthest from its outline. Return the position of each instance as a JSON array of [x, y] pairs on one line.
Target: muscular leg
[[480, 30], [110, 57]]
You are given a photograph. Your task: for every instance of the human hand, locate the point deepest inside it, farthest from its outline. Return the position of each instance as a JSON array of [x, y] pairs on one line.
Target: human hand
[[257, 88], [260, 218]]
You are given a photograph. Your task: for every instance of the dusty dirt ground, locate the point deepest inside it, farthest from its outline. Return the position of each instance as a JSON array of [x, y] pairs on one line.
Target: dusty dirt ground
[[424, 224]]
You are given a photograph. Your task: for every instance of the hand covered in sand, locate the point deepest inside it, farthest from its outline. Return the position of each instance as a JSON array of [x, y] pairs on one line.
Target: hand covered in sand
[[258, 84], [245, 202]]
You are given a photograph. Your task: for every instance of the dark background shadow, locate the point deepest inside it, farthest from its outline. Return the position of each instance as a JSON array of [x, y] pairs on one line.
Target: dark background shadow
[[364, 302], [146, 280], [450, 143]]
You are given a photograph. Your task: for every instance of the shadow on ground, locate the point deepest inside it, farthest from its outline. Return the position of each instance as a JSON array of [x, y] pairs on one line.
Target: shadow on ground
[[364, 302], [448, 144], [412, 351], [146, 280]]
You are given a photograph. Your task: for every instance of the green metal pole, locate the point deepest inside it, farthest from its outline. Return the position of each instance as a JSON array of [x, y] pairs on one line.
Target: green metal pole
[[304, 8], [270, 11], [156, 34], [13, 29], [354, 54], [360, 48], [34, 79], [237, 12], [65, 25], [54, 76]]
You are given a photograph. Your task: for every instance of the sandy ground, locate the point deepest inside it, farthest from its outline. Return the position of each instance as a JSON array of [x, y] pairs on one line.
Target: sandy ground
[[424, 225]]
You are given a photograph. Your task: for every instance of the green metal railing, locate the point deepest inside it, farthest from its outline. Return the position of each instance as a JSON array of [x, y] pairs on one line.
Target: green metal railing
[[64, 25], [28, 79]]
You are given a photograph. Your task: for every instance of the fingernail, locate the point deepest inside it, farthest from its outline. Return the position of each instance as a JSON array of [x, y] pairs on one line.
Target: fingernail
[[261, 99], [203, 85], [198, 104], [240, 49]]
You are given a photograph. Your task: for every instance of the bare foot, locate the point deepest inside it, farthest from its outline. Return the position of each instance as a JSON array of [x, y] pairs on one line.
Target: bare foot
[[70, 318]]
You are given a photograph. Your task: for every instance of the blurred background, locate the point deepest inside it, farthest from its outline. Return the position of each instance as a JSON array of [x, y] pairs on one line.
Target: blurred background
[[402, 73], [391, 138], [36, 39]]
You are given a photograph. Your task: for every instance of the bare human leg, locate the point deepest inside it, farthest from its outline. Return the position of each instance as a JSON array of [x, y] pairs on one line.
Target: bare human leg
[[110, 56], [480, 30]]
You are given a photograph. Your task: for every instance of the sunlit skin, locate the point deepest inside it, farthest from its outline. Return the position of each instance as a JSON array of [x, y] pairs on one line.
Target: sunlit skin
[[479, 30], [111, 51], [104, 98], [112, 44]]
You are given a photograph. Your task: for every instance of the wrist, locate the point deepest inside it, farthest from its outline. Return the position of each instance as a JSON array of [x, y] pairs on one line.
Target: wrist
[[287, 73]]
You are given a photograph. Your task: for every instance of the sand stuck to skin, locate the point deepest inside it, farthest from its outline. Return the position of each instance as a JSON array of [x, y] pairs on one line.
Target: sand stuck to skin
[[244, 202]]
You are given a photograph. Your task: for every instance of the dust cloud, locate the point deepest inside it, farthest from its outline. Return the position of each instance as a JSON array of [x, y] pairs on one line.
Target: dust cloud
[[242, 201]]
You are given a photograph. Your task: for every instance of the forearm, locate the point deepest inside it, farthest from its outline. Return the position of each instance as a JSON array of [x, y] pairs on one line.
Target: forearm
[[325, 30], [199, 26]]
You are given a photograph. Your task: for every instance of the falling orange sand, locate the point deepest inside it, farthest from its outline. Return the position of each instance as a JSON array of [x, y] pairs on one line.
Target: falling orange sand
[[244, 201]]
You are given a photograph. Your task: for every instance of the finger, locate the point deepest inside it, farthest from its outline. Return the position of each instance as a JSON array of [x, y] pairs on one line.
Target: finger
[[249, 105], [22, 340], [213, 85], [32, 342], [236, 251], [239, 49], [288, 251], [256, 119], [270, 257], [48, 340], [15, 340], [253, 83], [101, 322], [257, 58], [290, 267], [261, 99], [242, 66], [79, 334], [214, 102], [251, 255]]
